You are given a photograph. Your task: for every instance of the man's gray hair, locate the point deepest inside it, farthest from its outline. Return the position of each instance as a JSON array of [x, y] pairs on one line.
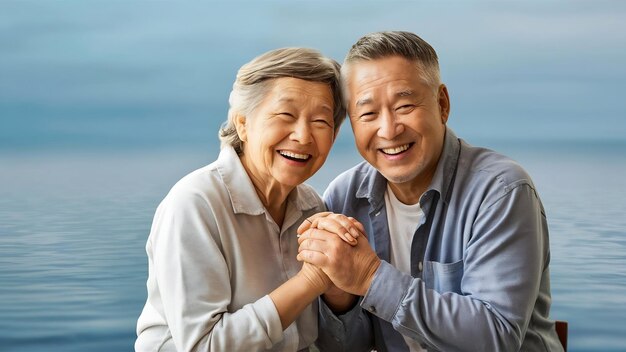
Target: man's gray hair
[[397, 43], [254, 80]]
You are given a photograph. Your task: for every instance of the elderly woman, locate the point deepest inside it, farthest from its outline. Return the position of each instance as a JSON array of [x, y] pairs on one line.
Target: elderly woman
[[223, 274]]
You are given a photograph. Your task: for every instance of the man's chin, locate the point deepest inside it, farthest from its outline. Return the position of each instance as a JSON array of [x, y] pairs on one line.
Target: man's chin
[[396, 177]]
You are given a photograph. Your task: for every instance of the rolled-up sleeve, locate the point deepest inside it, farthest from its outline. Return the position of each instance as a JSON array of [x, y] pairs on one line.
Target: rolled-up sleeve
[[194, 284], [503, 265]]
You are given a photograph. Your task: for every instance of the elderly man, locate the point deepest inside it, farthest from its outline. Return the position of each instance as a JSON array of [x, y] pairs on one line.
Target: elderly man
[[457, 252]]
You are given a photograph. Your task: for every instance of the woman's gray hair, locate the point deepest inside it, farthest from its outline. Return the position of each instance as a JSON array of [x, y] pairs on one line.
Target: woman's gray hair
[[254, 80], [397, 43]]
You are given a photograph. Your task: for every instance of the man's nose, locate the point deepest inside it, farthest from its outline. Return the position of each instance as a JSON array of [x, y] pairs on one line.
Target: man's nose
[[389, 127]]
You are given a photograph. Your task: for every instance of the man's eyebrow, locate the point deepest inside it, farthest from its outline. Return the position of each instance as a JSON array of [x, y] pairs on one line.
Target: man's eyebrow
[[285, 99], [405, 93], [364, 101], [369, 100]]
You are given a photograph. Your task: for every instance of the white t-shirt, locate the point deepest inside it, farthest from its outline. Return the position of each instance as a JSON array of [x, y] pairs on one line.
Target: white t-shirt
[[403, 220]]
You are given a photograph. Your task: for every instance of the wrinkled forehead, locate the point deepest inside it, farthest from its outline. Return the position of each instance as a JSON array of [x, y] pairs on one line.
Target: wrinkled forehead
[[297, 93], [392, 77], [413, 67], [368, 98]]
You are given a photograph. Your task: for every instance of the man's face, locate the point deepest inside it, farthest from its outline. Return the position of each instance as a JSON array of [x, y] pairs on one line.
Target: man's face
[[398, 120]]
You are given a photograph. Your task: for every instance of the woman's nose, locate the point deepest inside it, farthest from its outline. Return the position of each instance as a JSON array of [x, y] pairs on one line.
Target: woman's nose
[[302, 131]]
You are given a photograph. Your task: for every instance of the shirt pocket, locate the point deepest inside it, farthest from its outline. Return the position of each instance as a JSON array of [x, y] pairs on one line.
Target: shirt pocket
[[443, 277]]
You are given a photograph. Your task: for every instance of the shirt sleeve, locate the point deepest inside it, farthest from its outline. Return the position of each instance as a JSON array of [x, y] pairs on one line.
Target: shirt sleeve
[[503, 265], [193, 280]]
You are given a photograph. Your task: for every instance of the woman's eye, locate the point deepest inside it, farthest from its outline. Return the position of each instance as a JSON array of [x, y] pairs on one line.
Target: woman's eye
[[323, 121]]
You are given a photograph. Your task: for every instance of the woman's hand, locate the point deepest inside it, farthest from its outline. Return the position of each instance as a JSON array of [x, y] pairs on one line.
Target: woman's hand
[[347, 228], [316, 278]]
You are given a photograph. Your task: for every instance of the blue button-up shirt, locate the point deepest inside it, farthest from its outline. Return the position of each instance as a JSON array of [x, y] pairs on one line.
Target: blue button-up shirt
[[479, 263]]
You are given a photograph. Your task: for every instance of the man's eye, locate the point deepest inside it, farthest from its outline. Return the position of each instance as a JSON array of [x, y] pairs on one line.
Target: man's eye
[[367, 115], [405, 108]]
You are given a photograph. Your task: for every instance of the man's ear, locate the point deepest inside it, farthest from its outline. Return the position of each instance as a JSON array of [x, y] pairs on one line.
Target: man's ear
[[444, 103], [240, 125]]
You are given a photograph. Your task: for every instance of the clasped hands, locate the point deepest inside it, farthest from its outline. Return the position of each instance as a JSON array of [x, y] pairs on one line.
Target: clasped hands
[[336, 254]]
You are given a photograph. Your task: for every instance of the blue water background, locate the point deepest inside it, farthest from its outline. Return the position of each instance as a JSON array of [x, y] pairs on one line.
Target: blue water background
[[73, 228]]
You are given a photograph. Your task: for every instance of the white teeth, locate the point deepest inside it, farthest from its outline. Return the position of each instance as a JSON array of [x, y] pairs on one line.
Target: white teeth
[[395, 150], [294, 155]]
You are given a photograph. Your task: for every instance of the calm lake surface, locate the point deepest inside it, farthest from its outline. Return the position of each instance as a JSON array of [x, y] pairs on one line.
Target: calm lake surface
[[73, 228]]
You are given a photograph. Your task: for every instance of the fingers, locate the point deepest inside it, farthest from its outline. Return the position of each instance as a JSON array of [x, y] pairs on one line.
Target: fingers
[[319, 259], [340, 226], [314, 234], [306, 224], [356, 223], [319, 246], [347, 228], [319, 235], [310, 242]]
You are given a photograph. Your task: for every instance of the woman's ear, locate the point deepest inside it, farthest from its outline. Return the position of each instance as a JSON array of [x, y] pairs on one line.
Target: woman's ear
[[240, 125]]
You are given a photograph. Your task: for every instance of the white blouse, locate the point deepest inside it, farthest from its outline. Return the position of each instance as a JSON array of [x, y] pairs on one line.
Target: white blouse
[[214, 254]]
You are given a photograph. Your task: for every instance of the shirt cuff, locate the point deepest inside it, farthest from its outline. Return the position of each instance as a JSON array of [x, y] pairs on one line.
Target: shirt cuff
[[388, 289]]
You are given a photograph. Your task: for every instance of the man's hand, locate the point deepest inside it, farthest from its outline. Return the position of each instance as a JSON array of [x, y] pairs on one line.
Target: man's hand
[[351, 268], [347, 228]]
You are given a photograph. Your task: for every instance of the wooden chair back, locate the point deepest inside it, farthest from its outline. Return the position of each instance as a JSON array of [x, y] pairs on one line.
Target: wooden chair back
[[561, 330]]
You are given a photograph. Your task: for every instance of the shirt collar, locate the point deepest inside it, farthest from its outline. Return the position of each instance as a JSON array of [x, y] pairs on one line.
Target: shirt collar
[[446, 168], [373, 184], [243, 196]]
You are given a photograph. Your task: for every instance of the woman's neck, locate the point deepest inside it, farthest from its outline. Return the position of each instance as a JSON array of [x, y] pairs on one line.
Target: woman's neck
[[272, 194]]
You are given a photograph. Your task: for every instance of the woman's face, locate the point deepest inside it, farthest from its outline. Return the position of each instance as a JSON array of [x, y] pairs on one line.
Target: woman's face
[[288, 136]]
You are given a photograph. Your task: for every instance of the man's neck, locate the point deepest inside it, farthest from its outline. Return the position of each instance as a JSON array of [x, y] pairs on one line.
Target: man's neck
[[410, 192]]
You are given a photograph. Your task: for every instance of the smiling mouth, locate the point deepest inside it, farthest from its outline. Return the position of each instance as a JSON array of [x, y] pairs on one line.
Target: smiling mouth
[[396, 150], [294, 156]]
